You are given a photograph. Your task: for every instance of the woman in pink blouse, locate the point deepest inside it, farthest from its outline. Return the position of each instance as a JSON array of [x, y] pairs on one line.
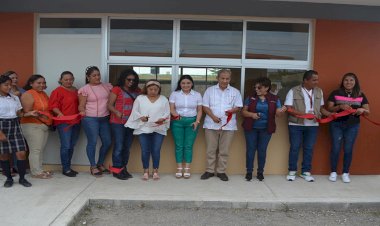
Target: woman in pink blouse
[[93, 99]]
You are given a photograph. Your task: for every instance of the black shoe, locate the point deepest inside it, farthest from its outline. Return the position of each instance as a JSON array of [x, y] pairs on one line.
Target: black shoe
[[8, 183], [121, 175], [206, 175], [25, 183], [74, 171], [127, 173], [69, 173], [222, 176], [248, 176], [260, 176]]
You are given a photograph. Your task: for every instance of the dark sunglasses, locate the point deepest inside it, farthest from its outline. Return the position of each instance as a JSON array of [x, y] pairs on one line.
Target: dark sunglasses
[[259, 87], [131, 79]]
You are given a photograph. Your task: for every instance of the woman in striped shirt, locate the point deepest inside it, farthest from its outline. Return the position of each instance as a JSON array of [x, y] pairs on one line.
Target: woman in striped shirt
[[345, 129]]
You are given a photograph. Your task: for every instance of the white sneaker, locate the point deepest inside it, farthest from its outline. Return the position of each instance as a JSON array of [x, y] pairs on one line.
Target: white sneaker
[[291, 176], [333, 176], [346, 178], [307, 176]]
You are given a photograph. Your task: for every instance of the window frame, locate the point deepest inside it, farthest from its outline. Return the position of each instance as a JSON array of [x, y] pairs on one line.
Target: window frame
[[175, 61]]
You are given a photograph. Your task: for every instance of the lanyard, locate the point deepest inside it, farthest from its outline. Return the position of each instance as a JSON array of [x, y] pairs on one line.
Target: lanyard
[[310, 97]]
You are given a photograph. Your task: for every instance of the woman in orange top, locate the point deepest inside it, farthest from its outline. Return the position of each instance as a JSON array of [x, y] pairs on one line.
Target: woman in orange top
[[36, 128]]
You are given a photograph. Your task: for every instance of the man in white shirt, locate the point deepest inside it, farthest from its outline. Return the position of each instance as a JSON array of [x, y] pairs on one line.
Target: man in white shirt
[[306, 98], [221, 102]]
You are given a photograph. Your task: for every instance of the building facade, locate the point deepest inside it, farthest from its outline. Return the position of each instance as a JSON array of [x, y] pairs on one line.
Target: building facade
[[164, 39]]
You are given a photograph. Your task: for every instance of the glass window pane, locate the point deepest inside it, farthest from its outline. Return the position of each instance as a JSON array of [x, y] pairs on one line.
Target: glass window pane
[[277, 41], [70, 25], [141, 38], [211, 39], [282, 80], [162, 74], [205, 77]]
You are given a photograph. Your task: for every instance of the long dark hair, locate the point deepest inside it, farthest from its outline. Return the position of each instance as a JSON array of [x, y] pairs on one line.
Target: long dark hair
[[31, 79], [123, 76], [182, 78], [89, 70], [356, 89]]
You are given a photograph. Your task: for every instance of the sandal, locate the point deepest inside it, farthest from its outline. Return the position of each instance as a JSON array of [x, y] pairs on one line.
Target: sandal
[[187, 174], [145, 175], [179, 173], [155, 175], [50, 173], [103, 169], [95, 171], [42, 176]]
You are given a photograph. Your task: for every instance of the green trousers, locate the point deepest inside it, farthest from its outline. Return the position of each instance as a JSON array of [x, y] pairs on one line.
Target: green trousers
[[184, 137]]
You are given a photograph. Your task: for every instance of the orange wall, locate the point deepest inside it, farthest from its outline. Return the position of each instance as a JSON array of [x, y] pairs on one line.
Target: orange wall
[[17, 44], [341, 47]]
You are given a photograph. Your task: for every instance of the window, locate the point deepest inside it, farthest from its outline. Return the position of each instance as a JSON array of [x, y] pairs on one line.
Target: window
[[211, 39], [282, 80], [70, 26], [162, 73], [141, 38], [205, 77], [277, 41]]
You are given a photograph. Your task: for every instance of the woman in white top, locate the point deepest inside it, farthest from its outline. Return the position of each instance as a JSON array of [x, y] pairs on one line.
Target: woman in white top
[[11, 137], [186, 111], [150, 121]]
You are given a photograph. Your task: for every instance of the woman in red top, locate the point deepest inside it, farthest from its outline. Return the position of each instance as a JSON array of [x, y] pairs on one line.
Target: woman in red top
[[120, 104], [64, 102]]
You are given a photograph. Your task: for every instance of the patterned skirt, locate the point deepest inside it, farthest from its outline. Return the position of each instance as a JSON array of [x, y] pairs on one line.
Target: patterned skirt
[[15, 139]]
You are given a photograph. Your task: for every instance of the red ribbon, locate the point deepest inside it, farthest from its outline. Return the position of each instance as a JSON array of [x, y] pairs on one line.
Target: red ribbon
[[229, 117], [114, 169], [178, 117], [67, 117], [332, 116], [369, 120]]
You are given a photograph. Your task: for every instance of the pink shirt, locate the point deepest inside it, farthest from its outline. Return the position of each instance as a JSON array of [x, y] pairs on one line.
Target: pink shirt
[[97, 97]]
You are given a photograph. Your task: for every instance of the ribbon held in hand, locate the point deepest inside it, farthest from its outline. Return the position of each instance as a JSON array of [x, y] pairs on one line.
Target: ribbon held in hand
[[67, 117], [327, 119], [229, 117], [178, 117]]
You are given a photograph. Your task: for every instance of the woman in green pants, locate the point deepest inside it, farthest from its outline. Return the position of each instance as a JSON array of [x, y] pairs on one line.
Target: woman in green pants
[[186, 111]]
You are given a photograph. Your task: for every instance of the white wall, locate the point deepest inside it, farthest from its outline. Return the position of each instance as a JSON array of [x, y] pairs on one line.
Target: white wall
[[58, 53]]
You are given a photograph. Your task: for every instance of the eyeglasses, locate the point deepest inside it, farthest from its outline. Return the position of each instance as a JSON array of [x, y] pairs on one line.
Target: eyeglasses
[[259, 87], [131, 79]]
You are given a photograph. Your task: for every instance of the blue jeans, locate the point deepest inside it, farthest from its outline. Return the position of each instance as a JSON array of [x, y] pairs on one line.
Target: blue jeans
[[256, 139], [305, 135], [123, 137], [94, 127], [151, 145], [341, 132], [68, 138]]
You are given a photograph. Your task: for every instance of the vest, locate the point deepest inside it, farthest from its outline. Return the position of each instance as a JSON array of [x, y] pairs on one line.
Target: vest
[[299, 103], [272, 106]]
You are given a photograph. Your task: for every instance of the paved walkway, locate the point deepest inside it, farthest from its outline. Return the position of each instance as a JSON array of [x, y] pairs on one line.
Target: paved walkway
[[56, 201]]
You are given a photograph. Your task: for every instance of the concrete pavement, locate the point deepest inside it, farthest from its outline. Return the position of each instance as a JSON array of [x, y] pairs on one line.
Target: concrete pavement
[[58, 200]]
